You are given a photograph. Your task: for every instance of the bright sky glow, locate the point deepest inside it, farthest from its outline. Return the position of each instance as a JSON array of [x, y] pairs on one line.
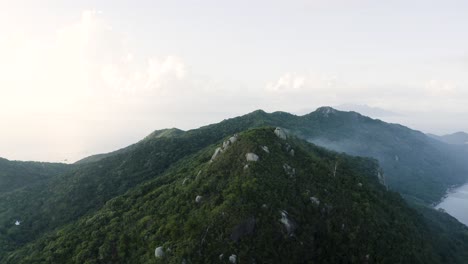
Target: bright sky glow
[[83, 78]]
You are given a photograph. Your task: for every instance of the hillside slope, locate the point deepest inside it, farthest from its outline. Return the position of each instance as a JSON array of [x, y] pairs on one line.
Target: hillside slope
[[85, 189], [19, 174], [262, 199]]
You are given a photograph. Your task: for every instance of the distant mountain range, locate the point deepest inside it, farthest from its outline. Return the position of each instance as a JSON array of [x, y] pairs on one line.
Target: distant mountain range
[[460, 138], [19, 174], [248, 189], [367, 110]]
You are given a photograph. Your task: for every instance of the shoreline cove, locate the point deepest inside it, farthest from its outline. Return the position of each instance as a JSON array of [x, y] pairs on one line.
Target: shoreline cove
[[455, 203]]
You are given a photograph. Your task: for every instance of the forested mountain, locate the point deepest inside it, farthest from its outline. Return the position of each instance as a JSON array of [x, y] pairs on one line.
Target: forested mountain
[[415, 165], [261, 198], [19, 174], [99, 193]]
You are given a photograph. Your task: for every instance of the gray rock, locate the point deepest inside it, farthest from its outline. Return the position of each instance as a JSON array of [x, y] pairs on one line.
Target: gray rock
[[251, 157], [233, 259], [159, 252], [265, 148], [290, 171], [233, 139], [226, 144], [315, 200], [279, 132], [291, 152], [198, 199], [216, 153], [288, 223]]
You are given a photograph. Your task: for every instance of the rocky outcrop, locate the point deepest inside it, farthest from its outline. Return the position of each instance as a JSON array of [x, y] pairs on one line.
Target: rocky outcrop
[[315, 200], [251, 157], [218, 151], [198, 199], [289, 224], [279, 132], [290, 171], [233, 259], [265, 148], [185, 181], [159, 252], [224, 147]]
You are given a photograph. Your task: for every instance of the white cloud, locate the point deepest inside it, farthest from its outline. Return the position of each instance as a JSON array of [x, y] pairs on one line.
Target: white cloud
[[440, 88], [160, 72], [84, 90], [85, 72], [294, 82]]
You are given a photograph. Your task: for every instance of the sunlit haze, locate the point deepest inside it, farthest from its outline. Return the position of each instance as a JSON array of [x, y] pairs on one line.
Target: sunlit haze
[[83, 78]]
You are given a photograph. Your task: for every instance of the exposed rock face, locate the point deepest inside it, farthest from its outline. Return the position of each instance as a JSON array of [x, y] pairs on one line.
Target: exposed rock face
[[280, 133], [381, 178], [224, 147], [159, 252], [251, 157], [245, 228], [315, 200], [265, 148], [226, 144], [216, 153], [290, 171], [288, 223], [291, 152], [359, 184], [229, 142], [233, 259], [198, 199], [233, 138]]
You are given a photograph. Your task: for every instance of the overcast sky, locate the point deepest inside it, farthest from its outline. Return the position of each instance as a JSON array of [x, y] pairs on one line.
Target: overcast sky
[[84, 77]]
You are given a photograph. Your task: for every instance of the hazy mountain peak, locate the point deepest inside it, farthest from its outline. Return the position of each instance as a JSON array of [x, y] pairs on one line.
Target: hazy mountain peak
[[326, 110], [168, 132], [457, 138]]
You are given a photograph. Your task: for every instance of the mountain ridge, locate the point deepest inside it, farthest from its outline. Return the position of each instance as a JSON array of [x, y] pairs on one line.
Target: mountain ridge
[[87, 188], [275, 206]]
